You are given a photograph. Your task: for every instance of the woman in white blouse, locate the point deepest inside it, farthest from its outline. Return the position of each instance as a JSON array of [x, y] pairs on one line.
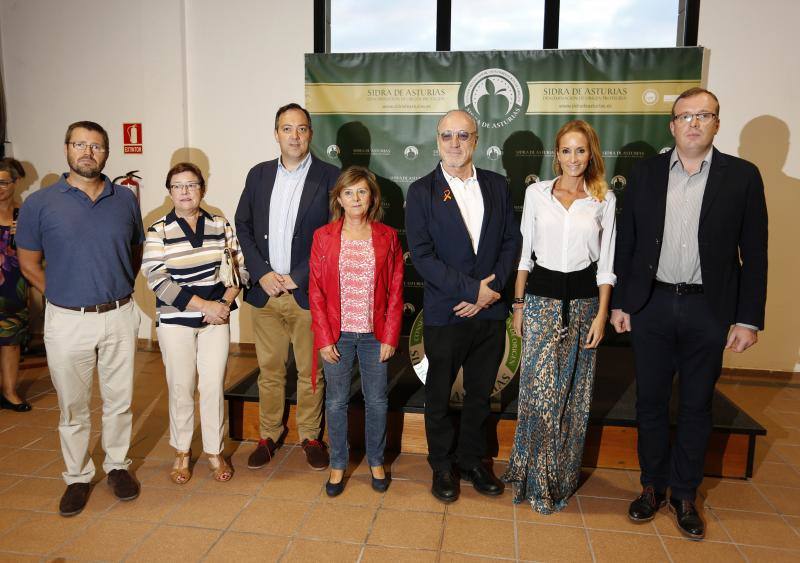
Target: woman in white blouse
[[562, 293]]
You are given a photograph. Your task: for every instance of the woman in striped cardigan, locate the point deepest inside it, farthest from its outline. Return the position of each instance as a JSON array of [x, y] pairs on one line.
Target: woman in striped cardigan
[[182, 258]]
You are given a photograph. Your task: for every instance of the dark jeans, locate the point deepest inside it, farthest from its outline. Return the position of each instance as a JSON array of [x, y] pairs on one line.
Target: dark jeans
[[338, 378], [675, 334], [477, 345]]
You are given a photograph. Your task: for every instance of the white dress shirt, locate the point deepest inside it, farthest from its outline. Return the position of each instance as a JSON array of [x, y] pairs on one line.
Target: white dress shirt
[[283, 206], [568, 240], [470, 202]]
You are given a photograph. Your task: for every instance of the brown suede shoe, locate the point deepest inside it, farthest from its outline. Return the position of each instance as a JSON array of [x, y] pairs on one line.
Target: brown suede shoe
[[74, 499], [124, 485], [316, 454], [262, 454]]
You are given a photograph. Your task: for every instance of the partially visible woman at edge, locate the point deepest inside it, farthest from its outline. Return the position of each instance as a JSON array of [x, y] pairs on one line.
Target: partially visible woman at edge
[[560, 309], [13, 290], [356, 296], [182, 257]]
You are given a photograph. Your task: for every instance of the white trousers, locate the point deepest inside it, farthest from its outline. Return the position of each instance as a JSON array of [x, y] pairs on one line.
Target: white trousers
[[195, 357], [76, 342]]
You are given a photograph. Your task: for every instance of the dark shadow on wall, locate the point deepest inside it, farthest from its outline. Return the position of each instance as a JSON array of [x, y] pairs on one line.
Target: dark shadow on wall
[[523, 153], [355, 143], [765, 142], [629, 155]]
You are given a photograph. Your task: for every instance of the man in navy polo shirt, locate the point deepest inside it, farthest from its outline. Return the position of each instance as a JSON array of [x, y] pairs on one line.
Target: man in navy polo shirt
[[90, 233]]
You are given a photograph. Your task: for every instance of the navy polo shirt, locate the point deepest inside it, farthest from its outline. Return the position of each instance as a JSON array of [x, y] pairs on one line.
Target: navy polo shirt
[[86, 244]]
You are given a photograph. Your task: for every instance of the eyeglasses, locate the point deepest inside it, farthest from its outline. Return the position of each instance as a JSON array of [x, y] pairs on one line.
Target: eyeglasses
[[702, 117], [80, 146], [463, 136], [188, 186], [6, 183]]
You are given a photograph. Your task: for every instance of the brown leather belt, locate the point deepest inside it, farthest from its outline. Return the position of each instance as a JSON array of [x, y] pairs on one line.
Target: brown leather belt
[[101, 308]]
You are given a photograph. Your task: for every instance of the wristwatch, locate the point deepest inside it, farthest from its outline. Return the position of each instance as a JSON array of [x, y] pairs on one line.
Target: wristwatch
[[224, 301]]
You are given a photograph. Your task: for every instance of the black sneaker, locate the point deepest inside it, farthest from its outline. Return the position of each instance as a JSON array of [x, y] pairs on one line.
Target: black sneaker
[[74, 499]]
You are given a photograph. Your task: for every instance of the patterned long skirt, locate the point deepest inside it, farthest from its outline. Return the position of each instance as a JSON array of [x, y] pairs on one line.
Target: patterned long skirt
[[555, 393]]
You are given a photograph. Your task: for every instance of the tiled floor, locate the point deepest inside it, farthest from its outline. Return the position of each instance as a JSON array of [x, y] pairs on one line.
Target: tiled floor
[[281, 512]]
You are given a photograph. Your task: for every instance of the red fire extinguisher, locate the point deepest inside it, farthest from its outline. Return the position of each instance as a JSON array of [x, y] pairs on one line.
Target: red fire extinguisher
[[130, 180]]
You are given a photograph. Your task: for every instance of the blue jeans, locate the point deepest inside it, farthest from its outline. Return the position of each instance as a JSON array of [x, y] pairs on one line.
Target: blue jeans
[[338, 379]]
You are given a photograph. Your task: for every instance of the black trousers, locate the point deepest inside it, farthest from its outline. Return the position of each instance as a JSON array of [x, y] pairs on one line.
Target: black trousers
[[675, 334], [477, 345]]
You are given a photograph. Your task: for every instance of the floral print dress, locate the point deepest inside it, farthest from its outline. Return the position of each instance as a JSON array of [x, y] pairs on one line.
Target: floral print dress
[[13, 290]]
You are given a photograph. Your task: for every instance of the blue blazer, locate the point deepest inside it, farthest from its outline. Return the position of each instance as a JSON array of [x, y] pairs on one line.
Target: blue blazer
[[252, 225], [441, 249], [732, 238]]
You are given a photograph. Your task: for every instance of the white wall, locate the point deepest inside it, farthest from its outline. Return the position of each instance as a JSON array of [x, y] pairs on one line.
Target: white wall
[[209, 76], [753, 70], [198, 74]]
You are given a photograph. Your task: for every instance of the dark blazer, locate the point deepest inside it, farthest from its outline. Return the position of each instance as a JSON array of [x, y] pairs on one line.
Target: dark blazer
[[252, 225], [441, 249], [732, 238]]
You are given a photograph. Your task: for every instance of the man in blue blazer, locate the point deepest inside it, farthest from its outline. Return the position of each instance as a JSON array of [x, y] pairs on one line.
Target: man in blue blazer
[[691, 265], [465, 243], [284, 201]]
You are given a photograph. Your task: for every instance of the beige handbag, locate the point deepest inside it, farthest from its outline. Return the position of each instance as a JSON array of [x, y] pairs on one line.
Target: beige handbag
[[229, 268]]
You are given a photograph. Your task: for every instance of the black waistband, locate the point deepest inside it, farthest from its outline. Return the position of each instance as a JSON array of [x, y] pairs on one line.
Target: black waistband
[[565, 286]]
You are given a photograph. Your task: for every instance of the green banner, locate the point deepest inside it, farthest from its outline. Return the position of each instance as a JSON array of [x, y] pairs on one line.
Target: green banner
[[381, 109]]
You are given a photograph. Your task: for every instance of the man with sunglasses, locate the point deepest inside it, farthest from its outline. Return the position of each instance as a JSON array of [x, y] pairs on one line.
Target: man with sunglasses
[[90, 233], [464, 243], [691, 266]]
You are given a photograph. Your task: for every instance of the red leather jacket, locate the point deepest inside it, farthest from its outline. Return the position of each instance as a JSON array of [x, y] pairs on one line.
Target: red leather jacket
[[324, 292]]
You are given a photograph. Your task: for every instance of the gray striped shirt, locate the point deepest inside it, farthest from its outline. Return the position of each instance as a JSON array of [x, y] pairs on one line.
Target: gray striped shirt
[[680, 254]]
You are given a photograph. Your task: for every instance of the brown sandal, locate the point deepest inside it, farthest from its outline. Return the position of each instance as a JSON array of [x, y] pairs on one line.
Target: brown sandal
[[220, 469], [181, 475]]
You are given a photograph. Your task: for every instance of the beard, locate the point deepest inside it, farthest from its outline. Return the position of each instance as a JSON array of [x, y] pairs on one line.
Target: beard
[[88, 170]]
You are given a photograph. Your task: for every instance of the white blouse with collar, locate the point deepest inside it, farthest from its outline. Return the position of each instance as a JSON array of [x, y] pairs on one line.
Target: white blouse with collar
[[568, 240]]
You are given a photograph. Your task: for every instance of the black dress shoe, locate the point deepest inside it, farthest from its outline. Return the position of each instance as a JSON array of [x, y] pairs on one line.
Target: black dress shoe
[[24, 406], [688, 520], [483, 481], [334, 489], [644, 508], [445, 486]]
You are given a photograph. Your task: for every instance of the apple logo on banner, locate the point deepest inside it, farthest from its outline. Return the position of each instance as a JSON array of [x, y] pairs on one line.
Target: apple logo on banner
[[332, 151], [494, 97], [531, 179], [650, 97], [411, 152], [494, 152], [618, 183]]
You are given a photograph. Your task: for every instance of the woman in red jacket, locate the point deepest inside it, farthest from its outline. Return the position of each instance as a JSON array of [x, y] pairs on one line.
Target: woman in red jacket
[[356, 295]]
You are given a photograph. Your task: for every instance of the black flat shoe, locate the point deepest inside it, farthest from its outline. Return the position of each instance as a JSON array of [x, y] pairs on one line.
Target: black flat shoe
[[24, 406], [334, 489], [379, 485], [687, 519]]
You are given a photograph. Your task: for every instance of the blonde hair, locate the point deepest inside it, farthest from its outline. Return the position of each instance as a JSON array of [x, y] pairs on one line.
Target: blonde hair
[[349, 177], [595, 173]]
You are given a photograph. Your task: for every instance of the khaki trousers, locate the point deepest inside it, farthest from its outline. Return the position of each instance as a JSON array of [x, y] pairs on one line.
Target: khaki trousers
[[76, 342], [281, 322], [195, 357]]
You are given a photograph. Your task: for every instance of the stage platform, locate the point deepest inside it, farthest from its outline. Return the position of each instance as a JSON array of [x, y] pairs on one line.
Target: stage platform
[[610, 440]]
